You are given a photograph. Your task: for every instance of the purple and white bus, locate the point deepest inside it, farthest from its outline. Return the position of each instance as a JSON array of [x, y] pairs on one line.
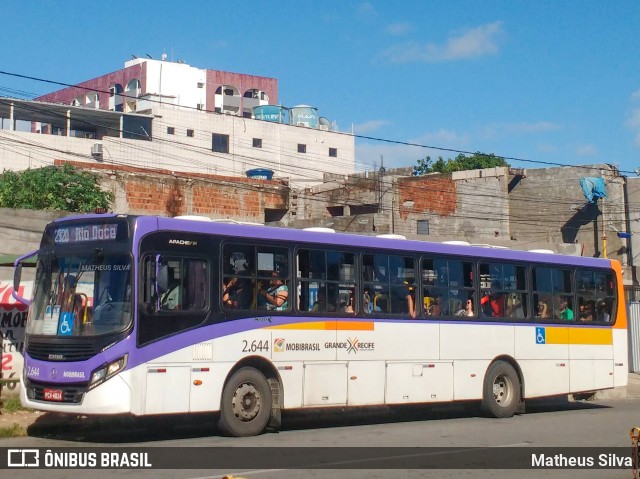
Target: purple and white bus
[[149, 315]]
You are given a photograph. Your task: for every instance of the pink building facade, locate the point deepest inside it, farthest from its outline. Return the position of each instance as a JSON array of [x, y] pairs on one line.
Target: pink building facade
[[143, 82]]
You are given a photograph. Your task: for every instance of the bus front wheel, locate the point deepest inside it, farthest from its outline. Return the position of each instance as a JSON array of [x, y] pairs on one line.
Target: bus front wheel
[[246, 403], [501, 392]]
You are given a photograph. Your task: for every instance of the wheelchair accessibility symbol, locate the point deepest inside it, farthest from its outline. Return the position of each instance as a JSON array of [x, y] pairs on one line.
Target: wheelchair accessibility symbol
[[65, 328], [540, 336]]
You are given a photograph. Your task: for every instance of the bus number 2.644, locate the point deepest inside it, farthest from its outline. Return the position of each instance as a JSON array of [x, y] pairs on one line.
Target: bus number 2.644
[[254, 346]]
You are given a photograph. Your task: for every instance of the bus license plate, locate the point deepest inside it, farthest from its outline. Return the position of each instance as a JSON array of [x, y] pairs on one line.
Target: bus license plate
[[53, 395]]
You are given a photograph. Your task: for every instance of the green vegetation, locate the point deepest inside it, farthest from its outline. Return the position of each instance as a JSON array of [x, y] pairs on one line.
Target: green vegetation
[[15, 430], [58, 188], [459, 163], [10, 404]]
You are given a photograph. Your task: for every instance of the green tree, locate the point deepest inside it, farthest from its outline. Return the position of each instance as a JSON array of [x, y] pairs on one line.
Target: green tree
[[58, 188], [459, 163]]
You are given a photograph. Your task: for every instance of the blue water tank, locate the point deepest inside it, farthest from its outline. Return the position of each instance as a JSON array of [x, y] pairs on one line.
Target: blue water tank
[[274, 113], [260, 174]]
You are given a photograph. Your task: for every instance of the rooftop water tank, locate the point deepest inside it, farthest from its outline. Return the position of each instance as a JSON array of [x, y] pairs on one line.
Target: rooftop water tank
[[274, 113], [260, 174], [304, 115]]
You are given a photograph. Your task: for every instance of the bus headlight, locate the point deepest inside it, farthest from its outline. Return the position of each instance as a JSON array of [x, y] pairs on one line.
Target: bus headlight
[[103, 373]]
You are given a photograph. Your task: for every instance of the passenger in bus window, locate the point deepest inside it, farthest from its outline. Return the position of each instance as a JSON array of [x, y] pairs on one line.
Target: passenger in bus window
[[603, 314], [380, 303], [320, 304], [171, 297], [436, 307], [492, 303], [514, 307], [345, 308], [367, 304], [277, 294], [468, 309], [543, 310], [237, 293], [411, 304], [564, 311], [350, 305], [584, 312]]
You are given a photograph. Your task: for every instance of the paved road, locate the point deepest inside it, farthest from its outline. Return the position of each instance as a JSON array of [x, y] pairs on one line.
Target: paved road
[[599, 424]]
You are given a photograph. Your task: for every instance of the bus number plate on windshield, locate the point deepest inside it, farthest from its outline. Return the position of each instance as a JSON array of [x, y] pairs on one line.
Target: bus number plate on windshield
[[53, 395]]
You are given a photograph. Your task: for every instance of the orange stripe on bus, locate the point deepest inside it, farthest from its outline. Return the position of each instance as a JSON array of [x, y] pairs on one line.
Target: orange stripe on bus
[[313, 325], [621, 311], [577, 335], [355, 326], [590, 336], [329, 326]]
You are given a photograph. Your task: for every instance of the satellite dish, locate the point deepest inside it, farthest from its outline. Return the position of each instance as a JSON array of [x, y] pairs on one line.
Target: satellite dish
[[164, 56]]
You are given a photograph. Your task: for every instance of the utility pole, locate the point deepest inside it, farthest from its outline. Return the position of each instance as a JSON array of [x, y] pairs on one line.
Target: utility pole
[[604, 230]]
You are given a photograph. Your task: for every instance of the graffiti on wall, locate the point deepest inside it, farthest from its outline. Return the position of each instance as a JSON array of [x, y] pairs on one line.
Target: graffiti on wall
[[13, 319]]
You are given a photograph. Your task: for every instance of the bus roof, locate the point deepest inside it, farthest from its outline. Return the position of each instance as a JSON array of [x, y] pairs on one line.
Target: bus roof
[[148, 224]]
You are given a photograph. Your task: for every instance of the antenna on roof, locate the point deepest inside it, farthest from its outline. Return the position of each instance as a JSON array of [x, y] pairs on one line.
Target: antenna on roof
[[180, 61], [148, 56], [133, 57]]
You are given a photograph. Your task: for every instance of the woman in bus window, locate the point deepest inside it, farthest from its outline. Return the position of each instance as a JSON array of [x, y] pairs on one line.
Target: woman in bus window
[[277, 294], [543, 310]]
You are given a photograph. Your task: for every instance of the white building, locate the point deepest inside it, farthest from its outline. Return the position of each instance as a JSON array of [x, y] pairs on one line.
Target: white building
[[171, 116]]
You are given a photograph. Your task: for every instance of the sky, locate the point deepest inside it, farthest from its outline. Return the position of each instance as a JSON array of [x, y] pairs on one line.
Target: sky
[[540, 83]]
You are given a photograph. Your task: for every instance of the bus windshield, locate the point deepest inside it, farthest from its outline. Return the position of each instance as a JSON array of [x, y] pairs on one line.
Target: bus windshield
[[81, 295]]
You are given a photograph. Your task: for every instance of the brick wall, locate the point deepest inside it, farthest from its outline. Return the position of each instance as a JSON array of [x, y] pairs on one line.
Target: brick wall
[[160, 192], [429, 194]]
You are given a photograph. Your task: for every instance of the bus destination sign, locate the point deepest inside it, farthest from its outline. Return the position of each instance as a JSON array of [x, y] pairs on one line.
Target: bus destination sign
[[85, 233]]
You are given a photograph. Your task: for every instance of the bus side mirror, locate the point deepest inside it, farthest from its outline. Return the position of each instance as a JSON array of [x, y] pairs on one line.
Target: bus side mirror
[[17, 275]]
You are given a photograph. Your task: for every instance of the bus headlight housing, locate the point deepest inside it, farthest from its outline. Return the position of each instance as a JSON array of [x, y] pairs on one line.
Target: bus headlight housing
[[107, 371]]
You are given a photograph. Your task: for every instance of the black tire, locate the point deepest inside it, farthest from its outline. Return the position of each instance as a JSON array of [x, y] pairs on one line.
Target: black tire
[[501, 391], [246, 403]]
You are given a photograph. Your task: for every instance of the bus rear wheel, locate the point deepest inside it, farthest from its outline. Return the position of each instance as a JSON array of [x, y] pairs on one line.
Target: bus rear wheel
[[246, 403], [501, 391]]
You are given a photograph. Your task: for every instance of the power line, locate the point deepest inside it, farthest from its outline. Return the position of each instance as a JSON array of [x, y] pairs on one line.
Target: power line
[[298, 167], [364, 137]]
